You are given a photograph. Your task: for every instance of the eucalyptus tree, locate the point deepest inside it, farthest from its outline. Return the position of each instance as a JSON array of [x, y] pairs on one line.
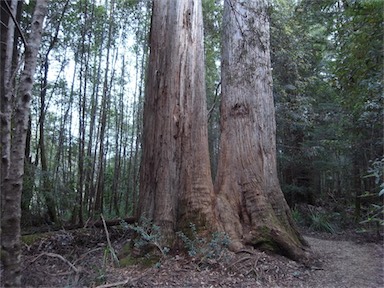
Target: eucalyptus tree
[[250, 202], [105, 106], [15, 119], [176, 185], [175, 178], [47, 186]]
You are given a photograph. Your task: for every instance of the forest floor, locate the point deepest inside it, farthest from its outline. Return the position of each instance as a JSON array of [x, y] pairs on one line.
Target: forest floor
[[80, 258]]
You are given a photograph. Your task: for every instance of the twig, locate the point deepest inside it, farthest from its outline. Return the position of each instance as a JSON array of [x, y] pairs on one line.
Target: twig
[[16, 23], [85, 254], [245, 251], [86, 222], [106, 231], [240, 260], [214, 100], [114, 284], [256, 261], [111, 250], [57, 256]]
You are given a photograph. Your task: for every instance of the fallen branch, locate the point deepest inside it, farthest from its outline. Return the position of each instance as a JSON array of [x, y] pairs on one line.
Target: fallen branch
[[110, 248], [89, 223]]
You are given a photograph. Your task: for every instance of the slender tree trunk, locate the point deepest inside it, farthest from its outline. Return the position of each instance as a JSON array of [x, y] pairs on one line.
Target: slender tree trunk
[[119, 136], [13, 181], [250, 203], [7, 45], [47, 185], [83, 160], [175, 178], [98, 208], [29, 178]]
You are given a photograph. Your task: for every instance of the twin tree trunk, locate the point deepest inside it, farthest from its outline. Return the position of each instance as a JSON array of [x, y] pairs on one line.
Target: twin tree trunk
[[176, 184]]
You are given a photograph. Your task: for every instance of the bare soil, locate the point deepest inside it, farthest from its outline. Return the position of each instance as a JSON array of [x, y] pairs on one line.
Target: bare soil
[[80, 258]]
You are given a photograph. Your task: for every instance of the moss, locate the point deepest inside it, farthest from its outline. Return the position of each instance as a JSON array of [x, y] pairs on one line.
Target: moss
[[127, 261], [125, 250], [127, 257], [263, 239], [3, 255], [149, 260], [146, 261], [33, 238], [196, 218]]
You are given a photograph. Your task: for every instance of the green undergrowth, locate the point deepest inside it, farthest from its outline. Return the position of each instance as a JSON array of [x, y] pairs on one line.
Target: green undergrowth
[[317, 219], [211, 247], [148, 247]]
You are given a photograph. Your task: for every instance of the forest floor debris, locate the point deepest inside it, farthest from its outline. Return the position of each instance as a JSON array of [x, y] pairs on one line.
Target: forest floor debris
[[80, 258]]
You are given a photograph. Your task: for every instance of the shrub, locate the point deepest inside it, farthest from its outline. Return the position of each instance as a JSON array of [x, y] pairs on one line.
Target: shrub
[[320, 221], [148, 234], [375, 212], [202, 249], [297, 216]]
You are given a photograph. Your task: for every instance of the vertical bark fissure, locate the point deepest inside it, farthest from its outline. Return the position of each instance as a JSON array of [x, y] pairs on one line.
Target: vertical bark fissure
[[250, 202], [176, 186]]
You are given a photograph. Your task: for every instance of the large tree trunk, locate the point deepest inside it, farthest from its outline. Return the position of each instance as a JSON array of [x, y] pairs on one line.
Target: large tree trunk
[[175, 185], [12, 180], [251, 205]]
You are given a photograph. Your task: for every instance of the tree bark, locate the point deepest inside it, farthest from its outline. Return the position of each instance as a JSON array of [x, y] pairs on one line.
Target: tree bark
[[175, 178], [7, 38], [13, 181], [250, 202]]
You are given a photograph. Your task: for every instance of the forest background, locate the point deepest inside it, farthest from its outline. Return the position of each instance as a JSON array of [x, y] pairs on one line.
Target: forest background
[[83, 144]]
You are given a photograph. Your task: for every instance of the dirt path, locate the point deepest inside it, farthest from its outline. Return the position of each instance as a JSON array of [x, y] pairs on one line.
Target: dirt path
[[347, 264]]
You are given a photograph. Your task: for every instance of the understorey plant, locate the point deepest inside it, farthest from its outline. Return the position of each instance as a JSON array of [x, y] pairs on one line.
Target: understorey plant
[[375, 212], [205, 251], [147, 239]]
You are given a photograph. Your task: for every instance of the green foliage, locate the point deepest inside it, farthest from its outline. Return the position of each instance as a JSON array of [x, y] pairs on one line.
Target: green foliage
[[204, 249], [327, 74], [321, 221], [109, 252], [318, 218], [101, 277], [148, 234], [297, 216], [375, 213]]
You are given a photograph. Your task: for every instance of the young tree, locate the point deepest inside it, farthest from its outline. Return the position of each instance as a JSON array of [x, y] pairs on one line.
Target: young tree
[[176, 186], [250, 202], [17, 122]]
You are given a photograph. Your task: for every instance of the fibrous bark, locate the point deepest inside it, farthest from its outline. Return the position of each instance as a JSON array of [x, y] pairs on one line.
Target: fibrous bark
[[251, 205], [176, 186]]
